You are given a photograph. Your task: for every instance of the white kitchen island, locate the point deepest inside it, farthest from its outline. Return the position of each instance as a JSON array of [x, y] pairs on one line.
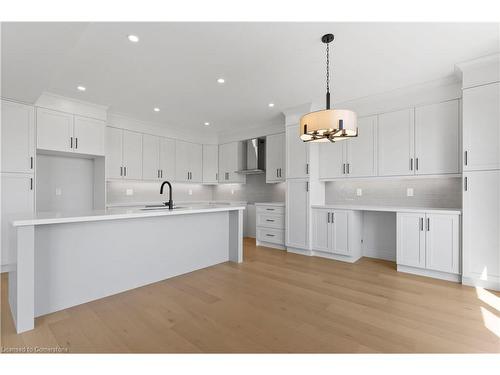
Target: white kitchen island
[[64, 260]]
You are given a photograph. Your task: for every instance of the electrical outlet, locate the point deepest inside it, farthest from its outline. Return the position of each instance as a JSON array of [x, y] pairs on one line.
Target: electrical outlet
[[129, 192], [409, 192], [359, 192], [190, 192], [58, 191]]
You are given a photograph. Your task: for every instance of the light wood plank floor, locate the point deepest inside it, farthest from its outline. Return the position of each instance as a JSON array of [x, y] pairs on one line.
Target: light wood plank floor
[[275, 302]]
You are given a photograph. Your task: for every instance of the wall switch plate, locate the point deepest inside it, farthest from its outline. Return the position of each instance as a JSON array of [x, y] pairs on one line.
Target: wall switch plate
[[409, 192], [359, 192], [129, 191], [190, 192], [58, 191]]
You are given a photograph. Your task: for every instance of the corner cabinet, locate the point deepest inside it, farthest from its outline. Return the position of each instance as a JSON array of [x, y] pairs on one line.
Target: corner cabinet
[[231, 159], [275, 158], [337, 232], [189, 159], [429, 241], [65, 132]]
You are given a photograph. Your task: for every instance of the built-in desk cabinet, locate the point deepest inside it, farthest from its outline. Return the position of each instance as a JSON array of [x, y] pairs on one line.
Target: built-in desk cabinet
[[66, 132], [429, 241]]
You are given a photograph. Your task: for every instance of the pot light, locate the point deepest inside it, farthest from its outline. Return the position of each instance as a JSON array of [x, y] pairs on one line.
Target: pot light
[[156, 109], [81, 88], [270, 105], [133, 38], [206, 124], [221, 80]]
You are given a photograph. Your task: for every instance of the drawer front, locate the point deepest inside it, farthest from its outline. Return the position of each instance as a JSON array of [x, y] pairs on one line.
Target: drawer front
[[277, 210], [270, 221], [276, 236]]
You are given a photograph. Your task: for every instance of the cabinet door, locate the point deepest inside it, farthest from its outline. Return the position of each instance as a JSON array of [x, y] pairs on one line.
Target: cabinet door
[[114, 152], [222, 163], [132, 155], [89, 136], [182, 172], [210, 164], [18, 131], [321, 230], [234, 161], [340, 232], [196, 162], [481, 223], [481, 129], [150, 157], [437, 138], [297, 154], [297, 207], [442, 242], [17, 198], [275, 158], [54, 130], [410, 239], [396, 143], [360, 151], [167, 159], [331, 160]]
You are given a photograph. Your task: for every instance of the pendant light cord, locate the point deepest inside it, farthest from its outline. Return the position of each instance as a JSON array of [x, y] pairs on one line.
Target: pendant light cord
[[327, 75]]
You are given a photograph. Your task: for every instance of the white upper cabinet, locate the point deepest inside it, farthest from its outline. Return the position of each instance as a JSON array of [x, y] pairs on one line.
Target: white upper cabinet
[[297, 213], [188, 157], [65, 132], [411, 239], [18, 142], [89, 136], [360, 152], [332, 160], [210, 164], [437, 138], [132, 155], [54, 130], [396, 143], [481, 224], [151, 157], [275, 158], [167, 159], [481, 127], [231, 160], [114, 152], [297, 154], [123, 154]]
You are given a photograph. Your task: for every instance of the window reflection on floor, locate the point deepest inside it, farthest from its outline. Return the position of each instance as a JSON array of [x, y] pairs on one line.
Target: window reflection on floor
[[491, 313]]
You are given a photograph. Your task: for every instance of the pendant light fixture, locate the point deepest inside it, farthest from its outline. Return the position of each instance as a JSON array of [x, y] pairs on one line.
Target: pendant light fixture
[[329, 124]]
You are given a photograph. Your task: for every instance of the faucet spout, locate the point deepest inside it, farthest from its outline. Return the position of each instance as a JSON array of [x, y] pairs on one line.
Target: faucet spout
[[170, 202]]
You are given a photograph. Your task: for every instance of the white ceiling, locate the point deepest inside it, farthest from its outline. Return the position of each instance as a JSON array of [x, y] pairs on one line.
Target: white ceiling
[[175, 65]]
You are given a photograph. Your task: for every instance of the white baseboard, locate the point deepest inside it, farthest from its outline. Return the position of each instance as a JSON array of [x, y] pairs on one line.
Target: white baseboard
[[296, 250], [430, 273], [342, 258], [487, 284], [269, 244], [7, 267]]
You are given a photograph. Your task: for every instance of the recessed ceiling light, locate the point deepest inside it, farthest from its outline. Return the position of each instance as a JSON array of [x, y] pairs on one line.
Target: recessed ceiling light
[[156, 109], [270, 105], [133, 38], [221, 80], [81, 88], [206, 123]]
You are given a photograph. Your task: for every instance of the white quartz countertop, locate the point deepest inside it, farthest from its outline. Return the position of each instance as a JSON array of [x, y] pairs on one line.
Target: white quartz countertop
[[270, 203], [41, 218], [389, 208], [180, 203]]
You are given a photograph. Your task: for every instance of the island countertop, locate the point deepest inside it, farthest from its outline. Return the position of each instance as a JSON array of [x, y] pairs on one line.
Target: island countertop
[[42, 218]]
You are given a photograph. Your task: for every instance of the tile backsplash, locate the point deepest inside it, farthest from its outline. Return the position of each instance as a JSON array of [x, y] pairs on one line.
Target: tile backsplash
[[443, 192], [255, 190]]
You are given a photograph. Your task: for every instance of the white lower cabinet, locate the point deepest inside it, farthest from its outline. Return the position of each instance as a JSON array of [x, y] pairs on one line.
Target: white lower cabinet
[[270, 225], [429, 241], [17, 198], [337, 232]]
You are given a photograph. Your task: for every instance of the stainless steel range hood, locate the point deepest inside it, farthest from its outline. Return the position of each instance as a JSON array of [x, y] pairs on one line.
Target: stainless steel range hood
[[255, 156]]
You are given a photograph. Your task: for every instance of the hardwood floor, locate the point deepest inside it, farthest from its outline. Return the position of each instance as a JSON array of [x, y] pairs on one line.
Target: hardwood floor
[[275, 302]]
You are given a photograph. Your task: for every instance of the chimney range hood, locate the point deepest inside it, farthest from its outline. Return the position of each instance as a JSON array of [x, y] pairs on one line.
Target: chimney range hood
[[255, 156]]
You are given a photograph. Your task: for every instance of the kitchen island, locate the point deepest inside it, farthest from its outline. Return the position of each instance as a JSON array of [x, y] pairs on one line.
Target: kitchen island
[[63, 260]]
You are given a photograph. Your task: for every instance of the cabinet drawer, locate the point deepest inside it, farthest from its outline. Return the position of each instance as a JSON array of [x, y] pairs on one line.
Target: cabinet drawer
[[276, 236], [271, 209], [270, 221]]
